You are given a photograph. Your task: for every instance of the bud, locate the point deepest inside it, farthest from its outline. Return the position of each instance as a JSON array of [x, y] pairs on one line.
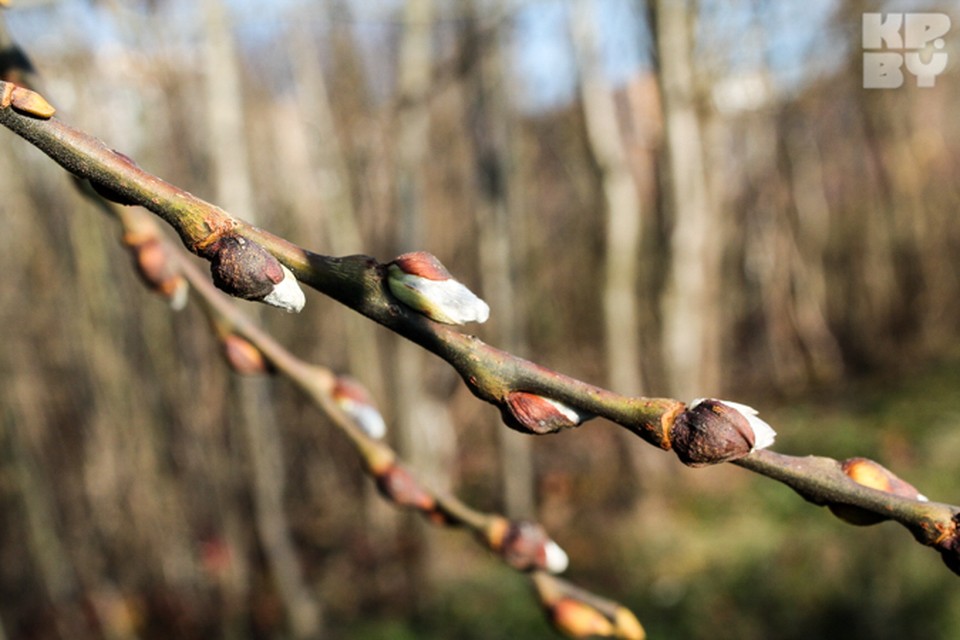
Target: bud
[[579, 620], [536, 414], [27, 102], [525, 546], [246, 270], [579, 614], [243, 356], [353, 398], [712, 431], [396, 483], [153, 263], [421, 282], [872, 474], [949, 545]]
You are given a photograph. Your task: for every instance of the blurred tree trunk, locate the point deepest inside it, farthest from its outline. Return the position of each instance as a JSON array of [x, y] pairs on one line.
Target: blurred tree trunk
[[809, 249], [55, 569], [623, 208], [491, 124], [253, 404], [324, 192], [692, 322], [425, 435], [322, 196]]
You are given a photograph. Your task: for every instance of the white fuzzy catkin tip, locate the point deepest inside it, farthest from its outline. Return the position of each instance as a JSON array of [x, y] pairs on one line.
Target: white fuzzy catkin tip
[[367, 418], [446, 301], [557, 560], [567, 412], [763, 433], [286, 294], [178, 299]]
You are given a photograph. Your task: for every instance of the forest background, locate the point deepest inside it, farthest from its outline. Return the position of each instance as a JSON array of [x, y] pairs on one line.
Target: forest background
[[701, 201]]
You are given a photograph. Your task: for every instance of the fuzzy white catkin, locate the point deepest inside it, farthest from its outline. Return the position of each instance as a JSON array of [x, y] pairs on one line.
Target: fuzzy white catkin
[[287, 294]]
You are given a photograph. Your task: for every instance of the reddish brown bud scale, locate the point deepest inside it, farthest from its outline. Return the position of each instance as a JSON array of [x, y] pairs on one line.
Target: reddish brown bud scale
[[522, 544], [348, 388], [243, 268], [422, 283], [713, 431], [154, 266], [243, 356], [532, 413], [399, 485], [579, 620], [579, 614], [152, 261], [30, 103], [874, 475], [423, 264]]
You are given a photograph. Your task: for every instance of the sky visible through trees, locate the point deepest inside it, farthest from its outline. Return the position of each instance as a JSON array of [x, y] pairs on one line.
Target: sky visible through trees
[[793, 40]]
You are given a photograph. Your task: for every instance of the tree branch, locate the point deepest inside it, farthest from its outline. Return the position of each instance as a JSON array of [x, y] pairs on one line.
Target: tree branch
[[504, 380]]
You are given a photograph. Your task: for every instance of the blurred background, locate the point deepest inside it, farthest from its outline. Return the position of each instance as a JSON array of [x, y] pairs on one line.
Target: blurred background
[[664, 198]]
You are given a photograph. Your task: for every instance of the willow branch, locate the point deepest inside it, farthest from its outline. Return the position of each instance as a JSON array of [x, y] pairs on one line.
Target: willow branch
[[523, 545], [523, 391]]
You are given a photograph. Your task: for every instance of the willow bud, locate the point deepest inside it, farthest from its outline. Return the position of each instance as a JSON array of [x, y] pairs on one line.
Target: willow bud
[[872, 474], [152, 260], [422, 283], [712, 431], [353, 398], [398, 485], [26, 101], [579, 614], [243, 356], [525, 546], [536, 414], [246, 270]]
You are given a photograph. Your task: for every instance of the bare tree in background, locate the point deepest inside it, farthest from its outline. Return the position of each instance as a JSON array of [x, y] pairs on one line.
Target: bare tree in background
[[692, 319], [623, 215], [253, 396], [491, 126]]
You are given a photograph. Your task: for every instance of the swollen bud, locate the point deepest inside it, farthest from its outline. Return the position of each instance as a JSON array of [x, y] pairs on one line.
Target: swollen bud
[[353, 398], [872, 474], [397, 484], [525, 546], [579, 614], [421, 282], [25, 101], [246, 270], [536, 414], [712, 431], [152, 260], [243, 356]]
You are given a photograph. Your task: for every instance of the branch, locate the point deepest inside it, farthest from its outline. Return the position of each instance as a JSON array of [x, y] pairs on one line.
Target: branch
[[531, 398], [523, 545]]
